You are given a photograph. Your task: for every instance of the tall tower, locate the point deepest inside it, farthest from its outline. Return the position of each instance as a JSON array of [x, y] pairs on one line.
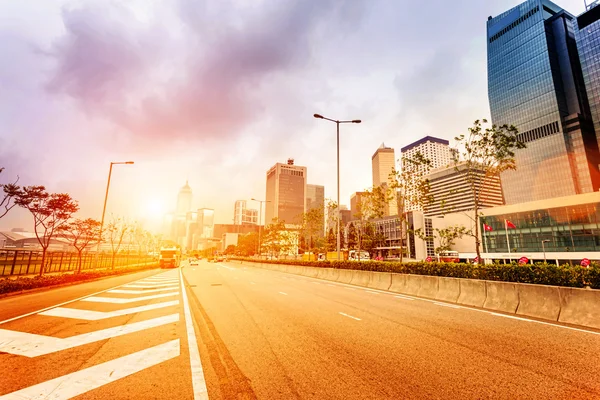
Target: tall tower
[[535, 83], [383, 163], [184, 199], [286, 193]]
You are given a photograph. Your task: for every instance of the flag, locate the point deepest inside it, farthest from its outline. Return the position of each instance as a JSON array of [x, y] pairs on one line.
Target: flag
[[510, 224], [487, 228]]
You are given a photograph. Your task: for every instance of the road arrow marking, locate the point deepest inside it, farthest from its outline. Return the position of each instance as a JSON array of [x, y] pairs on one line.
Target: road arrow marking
[[79, 382], [126, 291], [32, 345], [88, 315], [117, 300]]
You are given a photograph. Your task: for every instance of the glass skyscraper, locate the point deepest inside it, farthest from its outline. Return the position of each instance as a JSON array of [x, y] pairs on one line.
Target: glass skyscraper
[[535, 83], [588, 44]]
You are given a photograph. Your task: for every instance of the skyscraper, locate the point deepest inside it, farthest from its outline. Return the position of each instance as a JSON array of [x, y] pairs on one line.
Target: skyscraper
[[588, 46], [184, 199], [535, 83], [286, 193], [243, 215], [315, 196], [383, 164]]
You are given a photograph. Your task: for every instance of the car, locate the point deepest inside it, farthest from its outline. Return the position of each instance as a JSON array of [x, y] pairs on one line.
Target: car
[[194, 261]]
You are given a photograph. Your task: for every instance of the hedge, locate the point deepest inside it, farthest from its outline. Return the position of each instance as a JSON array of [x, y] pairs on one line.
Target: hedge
[[538, 273], [8, 285]]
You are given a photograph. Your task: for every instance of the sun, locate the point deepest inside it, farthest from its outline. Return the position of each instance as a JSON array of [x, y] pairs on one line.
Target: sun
[[154, 208]]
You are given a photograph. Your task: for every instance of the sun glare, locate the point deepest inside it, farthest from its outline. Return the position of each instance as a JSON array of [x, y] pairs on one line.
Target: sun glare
[[154, 209]]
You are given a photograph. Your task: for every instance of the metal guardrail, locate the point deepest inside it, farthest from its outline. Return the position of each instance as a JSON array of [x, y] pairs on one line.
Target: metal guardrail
[[28, 262]]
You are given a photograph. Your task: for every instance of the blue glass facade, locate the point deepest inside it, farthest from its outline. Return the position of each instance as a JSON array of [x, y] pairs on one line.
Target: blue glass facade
[[588, 45], [535, 83]]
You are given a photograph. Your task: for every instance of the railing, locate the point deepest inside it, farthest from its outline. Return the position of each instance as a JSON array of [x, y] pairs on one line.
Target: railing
[[28, 262]]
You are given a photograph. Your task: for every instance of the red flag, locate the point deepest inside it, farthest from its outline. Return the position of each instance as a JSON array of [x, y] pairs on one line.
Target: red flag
[[510, 224], [487, 228]]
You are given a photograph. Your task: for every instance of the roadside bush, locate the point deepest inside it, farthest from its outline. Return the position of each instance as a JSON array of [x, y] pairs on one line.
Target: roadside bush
[[8, 285], [539, 273]]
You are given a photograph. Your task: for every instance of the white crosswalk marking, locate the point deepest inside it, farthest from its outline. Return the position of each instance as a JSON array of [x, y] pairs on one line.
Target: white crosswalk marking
[[32, 345], [116, 300], [126, 291], [89, 315], [77, 383], [150, 285]]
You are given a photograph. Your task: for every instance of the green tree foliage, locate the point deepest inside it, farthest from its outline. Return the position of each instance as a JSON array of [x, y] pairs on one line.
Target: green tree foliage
[[231, 249], [115, 231], [81, 233], [311, 231], [484, 153], [277, 239], [248, 244], [50, 212], [352, 240], [331, 240]]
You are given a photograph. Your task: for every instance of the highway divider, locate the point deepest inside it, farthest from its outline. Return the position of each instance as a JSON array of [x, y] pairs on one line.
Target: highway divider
[[567, 305]]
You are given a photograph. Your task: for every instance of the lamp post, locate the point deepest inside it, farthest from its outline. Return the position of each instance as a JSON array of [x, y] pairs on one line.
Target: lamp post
[[106, 198], [544, 248], [260, 221], [337, 122]]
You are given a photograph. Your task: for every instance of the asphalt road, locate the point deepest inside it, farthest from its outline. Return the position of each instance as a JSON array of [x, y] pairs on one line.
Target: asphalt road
[[270, 335]]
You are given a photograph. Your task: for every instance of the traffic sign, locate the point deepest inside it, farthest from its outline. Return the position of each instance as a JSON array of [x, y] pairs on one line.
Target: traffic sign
[[585, 262], [523, 260]]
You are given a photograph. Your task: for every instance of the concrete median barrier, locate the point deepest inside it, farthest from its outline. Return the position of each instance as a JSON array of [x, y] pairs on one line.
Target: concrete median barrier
[[580, 307], [313, 272], [329, 274], [539, 301], [501, 296], [398, 284], [361, 278], [345, 275], [413, 284], [380, 280], [428, 286], [448, 289], [472, 292]]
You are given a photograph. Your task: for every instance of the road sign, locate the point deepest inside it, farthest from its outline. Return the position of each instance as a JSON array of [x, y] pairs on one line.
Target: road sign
[[429, 259], [585, 262], [523, 260]]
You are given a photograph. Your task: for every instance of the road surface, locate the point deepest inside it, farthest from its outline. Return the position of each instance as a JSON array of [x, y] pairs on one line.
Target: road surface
[[238, 332]]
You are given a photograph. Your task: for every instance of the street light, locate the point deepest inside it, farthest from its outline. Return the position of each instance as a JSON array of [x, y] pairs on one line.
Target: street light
[[106, 198], [260, 221], [544, 248], [337, 122]]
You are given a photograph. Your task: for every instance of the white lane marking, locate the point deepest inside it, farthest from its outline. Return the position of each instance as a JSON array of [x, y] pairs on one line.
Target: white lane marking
[[89, 315], [283, 293], [541, 322], [404, 298], [447, 305], [317, 283], [350, 288], [252, 283], [57, 305], [329, 284], [79, 382], [349, 316], [32, 345], [127, 291], [161, 282], [150, 286], [117, 300], [198, 380], [372, 292]]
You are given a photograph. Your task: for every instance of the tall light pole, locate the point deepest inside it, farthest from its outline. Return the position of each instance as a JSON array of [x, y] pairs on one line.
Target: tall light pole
[[260, 221], [337, 122], [544, 248], [106, 198]]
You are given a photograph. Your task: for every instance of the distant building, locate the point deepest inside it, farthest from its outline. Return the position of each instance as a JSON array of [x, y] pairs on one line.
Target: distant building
[[315, 197], [383, 164], [436, 150], [243, 215], [355, 202], [184, 199], [221, 229], [535, 83], [452, 193], [286, 193]]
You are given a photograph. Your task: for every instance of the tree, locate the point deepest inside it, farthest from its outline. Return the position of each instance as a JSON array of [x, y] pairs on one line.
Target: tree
[[116, 230], [50, 212], [277, 238], [482, 156], [312, 228], [230, 249], [351, 236], [10, 191], [331, 240], [81, 233], [447, 236], [248, 244], [412, 190], [372, 205]]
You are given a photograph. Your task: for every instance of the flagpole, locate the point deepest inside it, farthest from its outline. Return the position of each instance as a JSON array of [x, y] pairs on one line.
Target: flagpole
[[506, 230], [485, 238]]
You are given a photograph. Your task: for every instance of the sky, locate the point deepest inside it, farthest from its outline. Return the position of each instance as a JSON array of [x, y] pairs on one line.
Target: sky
[[216, 92]]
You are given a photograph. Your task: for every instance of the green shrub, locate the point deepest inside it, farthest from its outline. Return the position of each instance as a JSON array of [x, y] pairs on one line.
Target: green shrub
[[539, 273]]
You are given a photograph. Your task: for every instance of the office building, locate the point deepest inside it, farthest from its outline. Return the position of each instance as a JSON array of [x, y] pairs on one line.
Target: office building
[[184, 199], [436, 150], [243, 215], [315, 197], [452, 192], [355, 203], [383, 165], [286, 193], [535, 83], [587, 33]]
